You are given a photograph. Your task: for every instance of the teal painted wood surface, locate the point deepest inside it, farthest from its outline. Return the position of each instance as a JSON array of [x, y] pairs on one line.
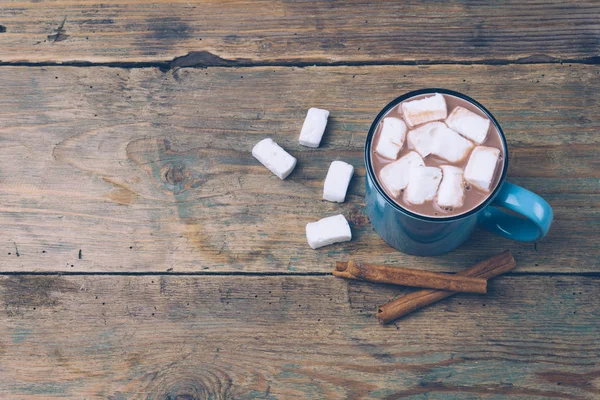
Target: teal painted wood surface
[[144, 170], [183, 271], [182, 32], [160, 337]]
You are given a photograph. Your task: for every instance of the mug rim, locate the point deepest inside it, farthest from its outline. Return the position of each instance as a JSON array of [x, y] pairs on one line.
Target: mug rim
[[398, 207]]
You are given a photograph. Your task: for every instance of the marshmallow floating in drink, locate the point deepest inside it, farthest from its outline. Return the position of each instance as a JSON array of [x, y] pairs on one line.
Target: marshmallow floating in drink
[[451, 192], [275, 158], [313, 127], [449, 145], [469, 124], [328, 231], [391, 138], [423, 184], [395, 176], [337, 181], [420, 138], [481, 167], [418, 112]]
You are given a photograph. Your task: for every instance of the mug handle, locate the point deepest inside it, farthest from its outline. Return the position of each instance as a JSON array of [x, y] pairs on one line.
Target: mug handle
[[537, 213]]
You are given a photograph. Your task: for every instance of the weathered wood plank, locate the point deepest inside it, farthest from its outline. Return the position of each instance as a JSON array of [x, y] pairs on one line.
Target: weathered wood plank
[[160, 337], [247, 32], [108, 169]]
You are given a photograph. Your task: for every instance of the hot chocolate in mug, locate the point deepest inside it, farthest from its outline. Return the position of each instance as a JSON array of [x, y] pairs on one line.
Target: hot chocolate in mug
[[429, 235]]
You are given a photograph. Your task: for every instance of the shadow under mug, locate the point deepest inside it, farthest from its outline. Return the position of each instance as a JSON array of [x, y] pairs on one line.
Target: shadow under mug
[[427, 236]]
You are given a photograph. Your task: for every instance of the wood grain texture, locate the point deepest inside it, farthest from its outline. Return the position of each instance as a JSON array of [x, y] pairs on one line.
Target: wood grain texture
[[160, 337], [214, 32], [137, 170]]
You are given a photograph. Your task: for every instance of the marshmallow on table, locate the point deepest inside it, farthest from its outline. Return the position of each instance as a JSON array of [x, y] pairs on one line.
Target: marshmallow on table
[[395, 176], [420, 138], [337, 181], [469, 124], [391, 138], [275, 158], [451, 192], [449, 145], [328, 231], [423, 184], [418, 112], [313, 127], [481, 167]]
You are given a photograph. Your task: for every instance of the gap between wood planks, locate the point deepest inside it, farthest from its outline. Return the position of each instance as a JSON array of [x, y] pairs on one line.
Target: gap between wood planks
[[241, 273], [205, 59]]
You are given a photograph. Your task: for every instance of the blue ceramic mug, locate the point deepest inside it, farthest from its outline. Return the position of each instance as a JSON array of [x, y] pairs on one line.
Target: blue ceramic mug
[[427, 236]]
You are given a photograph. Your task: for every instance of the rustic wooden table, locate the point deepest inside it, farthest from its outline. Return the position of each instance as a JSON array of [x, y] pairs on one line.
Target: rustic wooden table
[[147, 255]]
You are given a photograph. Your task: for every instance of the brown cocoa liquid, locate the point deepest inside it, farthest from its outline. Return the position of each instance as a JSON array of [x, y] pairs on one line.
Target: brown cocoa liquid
[[473, 196]]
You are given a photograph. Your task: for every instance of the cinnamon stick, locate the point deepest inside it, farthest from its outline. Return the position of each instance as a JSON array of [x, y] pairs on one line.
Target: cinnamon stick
[[409, 277], [487, 269]]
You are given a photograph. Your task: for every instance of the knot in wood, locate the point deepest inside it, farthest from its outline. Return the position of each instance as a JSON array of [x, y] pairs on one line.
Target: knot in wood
[[192, 383], [177, 177], [187, 390], [175, 174]]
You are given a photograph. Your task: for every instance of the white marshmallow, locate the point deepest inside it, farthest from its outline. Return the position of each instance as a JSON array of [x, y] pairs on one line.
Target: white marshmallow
[[452, 189], [469, 124], [481, 167], [423, 184], [395, 176], [418, 112], [337, 181], [313, 127], [275, 158], [449, 145], [328, 231], [420, 138], [391, 138]]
